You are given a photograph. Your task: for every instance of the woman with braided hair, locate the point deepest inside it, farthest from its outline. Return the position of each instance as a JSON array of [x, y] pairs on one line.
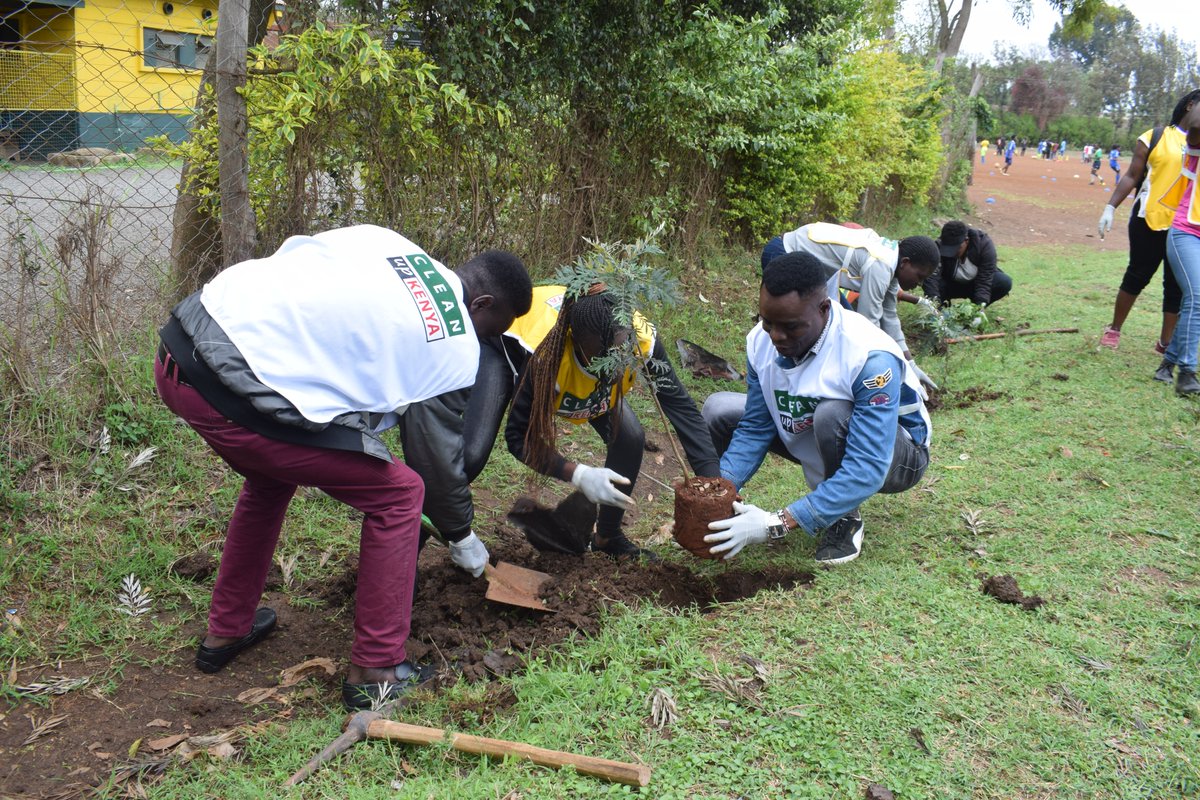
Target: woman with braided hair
[[562, 336]]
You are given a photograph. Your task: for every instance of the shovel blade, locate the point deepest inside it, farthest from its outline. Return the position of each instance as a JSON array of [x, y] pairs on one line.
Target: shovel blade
[[516, 586]]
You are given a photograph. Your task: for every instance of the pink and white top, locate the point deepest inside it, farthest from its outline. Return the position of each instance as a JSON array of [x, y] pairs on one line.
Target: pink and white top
[[1184, 220]]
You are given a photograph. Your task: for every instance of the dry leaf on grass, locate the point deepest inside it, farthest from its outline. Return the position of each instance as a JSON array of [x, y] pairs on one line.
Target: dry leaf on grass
[[42, 726], [760, 668], [220, 751], [973, 518], [1093, 664], [294, 674], [53, 686], [664, 535], [663, 711], [158, 723], [258, 695], [743, 691], [166, 742]]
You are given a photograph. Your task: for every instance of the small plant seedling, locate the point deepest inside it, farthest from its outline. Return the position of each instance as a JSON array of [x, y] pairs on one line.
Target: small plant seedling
[[636, 287]]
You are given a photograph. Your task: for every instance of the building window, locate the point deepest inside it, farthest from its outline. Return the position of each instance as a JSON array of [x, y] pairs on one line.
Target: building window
[[172, 50], [204, 48]]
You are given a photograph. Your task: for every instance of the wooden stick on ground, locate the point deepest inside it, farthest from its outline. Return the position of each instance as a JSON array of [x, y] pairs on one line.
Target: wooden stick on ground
[[984, 336], [372, 725], [617, 771]]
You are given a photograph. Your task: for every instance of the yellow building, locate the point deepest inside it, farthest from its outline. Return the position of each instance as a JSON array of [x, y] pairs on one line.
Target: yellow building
[[100, 73]]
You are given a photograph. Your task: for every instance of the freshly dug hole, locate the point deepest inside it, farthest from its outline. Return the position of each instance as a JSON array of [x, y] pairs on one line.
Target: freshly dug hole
[[699, 501]]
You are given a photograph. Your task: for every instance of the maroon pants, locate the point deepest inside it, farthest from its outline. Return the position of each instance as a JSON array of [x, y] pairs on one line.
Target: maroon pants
[[388, 493]]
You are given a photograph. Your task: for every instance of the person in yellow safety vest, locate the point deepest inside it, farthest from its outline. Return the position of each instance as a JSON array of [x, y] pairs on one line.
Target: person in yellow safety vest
[[1157, 158], [566, 340]]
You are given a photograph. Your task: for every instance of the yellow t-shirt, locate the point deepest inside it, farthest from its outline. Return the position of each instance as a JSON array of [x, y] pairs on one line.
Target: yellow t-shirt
[[1162, 168], [581, 396]]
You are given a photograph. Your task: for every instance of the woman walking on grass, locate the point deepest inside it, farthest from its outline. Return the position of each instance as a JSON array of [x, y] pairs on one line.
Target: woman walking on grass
[[1183, 251], [1157, 158]]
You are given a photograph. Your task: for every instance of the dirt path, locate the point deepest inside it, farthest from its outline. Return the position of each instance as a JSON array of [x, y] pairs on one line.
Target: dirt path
[[1045, 202]]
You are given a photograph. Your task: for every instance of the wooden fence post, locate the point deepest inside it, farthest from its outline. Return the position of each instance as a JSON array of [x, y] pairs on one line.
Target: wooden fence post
[[237, 216]]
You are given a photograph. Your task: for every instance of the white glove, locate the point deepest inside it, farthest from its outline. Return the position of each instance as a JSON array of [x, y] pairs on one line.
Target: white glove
[[596, 483], [470, 554], [923, 380], [1106, 220], [979, 318], [748, 526]]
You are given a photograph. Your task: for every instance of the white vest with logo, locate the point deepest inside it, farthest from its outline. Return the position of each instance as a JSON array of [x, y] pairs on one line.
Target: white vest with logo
[[353, 319], [851, 250], [792, 394]]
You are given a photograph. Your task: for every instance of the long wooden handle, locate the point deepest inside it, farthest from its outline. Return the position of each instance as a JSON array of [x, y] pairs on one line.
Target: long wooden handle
[[617, 771], [985, 336]]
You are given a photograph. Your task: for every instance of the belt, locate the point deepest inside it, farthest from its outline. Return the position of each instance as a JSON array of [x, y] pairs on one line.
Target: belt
[[170, 366]]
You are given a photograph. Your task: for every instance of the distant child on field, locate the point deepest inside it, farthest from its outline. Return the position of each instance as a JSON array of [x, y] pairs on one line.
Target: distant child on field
[[983, 148], [1113, 161], [1096, 168], [1009, 150]]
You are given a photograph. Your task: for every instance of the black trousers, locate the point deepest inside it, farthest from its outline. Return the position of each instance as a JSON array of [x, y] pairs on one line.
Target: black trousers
[[1147, 250], [622, 433], [1001, 286]]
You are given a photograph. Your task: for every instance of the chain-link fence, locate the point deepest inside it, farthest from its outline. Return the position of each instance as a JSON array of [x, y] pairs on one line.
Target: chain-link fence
[[87, 199]]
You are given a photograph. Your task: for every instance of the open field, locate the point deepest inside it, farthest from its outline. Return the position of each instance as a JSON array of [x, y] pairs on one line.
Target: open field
[[1064, 467]]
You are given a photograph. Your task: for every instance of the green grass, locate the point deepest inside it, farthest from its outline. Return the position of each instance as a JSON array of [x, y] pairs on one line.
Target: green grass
[[1086, 492]]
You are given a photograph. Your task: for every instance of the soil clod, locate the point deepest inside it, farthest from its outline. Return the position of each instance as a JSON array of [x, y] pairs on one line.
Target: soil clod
[[968, 397], [565, 529], [197, 566], [1005, 589]]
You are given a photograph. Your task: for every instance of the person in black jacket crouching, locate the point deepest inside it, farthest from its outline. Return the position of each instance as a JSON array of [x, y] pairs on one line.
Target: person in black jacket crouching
[[968, 269]]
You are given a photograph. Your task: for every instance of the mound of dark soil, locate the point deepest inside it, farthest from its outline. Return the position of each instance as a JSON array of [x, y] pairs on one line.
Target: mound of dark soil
[[968, 397], [1005, 589], [456, 623]]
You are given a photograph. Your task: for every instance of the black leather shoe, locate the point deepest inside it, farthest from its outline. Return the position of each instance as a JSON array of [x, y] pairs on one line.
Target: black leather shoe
[[1165, 372], [214, 659], [359, 696], [619, 547]]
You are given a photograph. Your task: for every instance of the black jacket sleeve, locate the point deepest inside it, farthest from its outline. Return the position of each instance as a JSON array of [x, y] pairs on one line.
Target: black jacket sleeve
[[431, 433], [682, 413], [518, 425], [982, 254]]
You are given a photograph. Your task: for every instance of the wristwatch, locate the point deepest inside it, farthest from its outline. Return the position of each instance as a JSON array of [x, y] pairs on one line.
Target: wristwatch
[[779, 529]]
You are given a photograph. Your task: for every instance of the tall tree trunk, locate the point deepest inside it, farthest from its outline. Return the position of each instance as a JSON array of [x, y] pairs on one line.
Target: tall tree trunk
[[196, 235], [951, 30]]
